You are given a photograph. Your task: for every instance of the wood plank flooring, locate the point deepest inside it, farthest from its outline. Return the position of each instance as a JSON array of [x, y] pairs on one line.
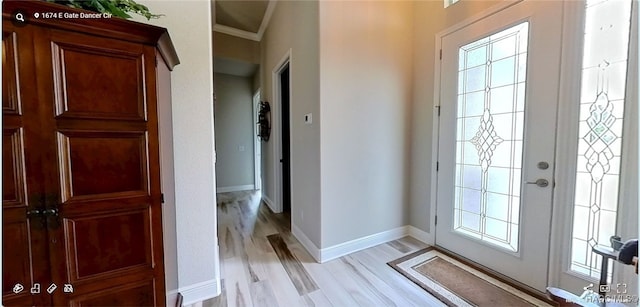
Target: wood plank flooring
[[262, 264]]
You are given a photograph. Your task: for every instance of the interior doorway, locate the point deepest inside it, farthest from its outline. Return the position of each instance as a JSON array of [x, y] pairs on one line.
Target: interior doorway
[[286, 138], [281, 149]]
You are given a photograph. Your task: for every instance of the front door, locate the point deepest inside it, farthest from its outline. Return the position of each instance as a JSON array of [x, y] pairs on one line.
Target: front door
[[499, 96]]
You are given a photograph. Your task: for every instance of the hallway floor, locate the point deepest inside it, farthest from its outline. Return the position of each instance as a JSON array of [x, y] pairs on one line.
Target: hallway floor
[[262, 264]]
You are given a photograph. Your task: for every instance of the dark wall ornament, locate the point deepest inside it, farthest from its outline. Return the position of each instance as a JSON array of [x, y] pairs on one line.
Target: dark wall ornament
[[264, 121]]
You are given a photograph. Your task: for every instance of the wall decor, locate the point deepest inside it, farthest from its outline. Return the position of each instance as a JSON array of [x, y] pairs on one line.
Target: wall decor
[[264, 121]]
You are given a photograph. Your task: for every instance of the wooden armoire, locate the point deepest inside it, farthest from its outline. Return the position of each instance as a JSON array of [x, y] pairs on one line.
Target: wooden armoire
[[81, 190]]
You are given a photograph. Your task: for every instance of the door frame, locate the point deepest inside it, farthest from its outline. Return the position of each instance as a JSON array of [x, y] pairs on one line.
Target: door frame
[[570, 79], [276, 126], [560, 273], [257, 145], [565, 55]]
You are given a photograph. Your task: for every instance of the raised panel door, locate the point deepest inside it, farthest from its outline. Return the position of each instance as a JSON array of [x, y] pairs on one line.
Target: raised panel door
[[24, 244], [104, 169]]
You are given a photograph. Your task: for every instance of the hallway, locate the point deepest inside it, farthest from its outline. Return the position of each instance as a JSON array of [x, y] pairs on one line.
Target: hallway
[[262, 264]]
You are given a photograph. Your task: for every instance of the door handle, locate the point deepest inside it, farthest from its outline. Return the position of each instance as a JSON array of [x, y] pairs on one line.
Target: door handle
[[33, 213], [50, 212], [543, 183], [46, 209], [52, 216]]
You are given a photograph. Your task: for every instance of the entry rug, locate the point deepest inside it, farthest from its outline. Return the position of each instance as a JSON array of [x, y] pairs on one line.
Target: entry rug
[[457, 284]]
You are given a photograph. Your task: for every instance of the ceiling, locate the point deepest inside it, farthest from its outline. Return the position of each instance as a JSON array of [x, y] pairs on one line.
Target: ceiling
[[247, 19]]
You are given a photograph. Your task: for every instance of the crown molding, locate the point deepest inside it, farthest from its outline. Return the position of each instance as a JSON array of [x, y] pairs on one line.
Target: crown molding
[[267, 17], [236, 32], [246, 34]]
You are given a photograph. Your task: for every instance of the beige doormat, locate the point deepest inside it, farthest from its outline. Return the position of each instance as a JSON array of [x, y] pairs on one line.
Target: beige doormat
[[458, 284]]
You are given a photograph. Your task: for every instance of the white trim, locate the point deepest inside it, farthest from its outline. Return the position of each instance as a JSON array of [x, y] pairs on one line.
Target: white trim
[[267, 17], [435, 140], [246, 187], [257, 144], [269, 202], [346, 248], [339, 250], [306, 243], [171, 297], [199, 292], [567, 118], [276, 127], [421, 235], [477, 17], [236, 32]]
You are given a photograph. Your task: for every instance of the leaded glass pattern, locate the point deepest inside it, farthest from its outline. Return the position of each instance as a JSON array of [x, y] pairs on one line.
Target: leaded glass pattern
[[490, 130], [602, 99]]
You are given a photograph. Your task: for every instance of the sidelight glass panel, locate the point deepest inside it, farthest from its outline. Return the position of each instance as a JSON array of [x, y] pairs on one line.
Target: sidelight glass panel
[[602, 100], [489, 148]]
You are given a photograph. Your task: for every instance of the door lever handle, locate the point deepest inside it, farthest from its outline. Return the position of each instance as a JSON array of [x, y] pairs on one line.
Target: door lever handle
[[543, 183]]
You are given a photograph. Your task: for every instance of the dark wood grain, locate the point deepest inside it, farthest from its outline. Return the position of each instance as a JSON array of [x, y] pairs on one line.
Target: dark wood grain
[[297, 273], [13, 184], [81, 139], [136, 294], [24, 252], [103, 163], [104, 82], [10, 83], [108, 244]]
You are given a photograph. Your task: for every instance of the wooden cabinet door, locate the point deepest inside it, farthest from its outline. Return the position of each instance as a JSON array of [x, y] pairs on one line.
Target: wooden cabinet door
[[24, 242], [100, 98]]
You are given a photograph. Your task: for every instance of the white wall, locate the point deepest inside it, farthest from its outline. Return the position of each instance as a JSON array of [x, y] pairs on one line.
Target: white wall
[[234, 128], [189, 24], [366, 92], [294, 25]]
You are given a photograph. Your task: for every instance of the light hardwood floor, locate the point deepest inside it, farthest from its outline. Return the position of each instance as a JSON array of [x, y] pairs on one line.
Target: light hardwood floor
[[262, 264]]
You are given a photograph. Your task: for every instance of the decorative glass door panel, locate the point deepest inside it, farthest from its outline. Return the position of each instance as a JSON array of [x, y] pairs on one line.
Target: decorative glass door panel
[[490, 120], [498, 88], [604, 72]]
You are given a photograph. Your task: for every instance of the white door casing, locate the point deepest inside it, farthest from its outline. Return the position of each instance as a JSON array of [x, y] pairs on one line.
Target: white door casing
[[257, 145]]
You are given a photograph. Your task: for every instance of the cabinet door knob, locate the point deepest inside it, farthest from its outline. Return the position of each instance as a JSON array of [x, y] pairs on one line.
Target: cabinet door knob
[[34, 213]]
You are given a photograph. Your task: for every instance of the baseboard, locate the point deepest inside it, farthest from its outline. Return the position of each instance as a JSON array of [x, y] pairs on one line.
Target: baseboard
[[421, 235], [342, 249], [306, 243], [269, 202], [199, 292], [172, 298], [339, 250], [246, 187]]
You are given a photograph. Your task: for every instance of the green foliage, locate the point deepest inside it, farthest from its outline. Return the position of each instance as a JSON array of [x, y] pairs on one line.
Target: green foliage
[[118, 8]]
